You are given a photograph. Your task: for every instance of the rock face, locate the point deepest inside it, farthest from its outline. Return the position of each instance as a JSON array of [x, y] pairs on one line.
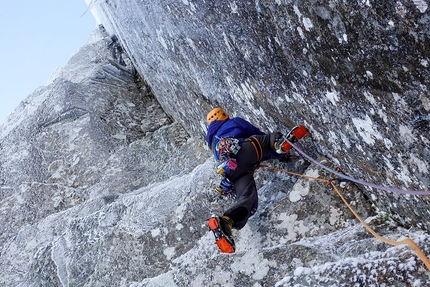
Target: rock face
[[74, 146], [101, 187], [357, 74]]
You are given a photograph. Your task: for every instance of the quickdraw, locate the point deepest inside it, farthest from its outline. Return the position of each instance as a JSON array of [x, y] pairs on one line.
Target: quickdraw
[[226, 166], [227, 148], [225, 188]]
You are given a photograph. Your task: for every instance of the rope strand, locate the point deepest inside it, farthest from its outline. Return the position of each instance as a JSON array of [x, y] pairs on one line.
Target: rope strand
[[407, 241], [391, 189]]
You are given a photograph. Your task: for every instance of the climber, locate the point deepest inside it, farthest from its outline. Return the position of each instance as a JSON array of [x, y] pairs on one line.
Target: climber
[[240, 147]]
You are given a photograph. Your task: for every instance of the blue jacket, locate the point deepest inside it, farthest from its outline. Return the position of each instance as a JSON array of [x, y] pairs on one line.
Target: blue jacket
[[234, 127]]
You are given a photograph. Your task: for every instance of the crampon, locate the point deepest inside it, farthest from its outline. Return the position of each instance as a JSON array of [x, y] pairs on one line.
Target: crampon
[[224, 241], [296, 133]]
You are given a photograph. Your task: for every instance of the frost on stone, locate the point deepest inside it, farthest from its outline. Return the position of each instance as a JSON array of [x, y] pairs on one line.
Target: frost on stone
[[102, 184]]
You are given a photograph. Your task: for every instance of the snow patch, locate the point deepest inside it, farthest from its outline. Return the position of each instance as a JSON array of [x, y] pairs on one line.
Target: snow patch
[[155, 232], [422, 166], [396, 96], [333, 97], [120, 136], [388, 143], [302, 271], [253, 264], [297, 11], [301, 188], [370, 98], [300, 31], [59, 257], [388, 163], [234, 8], [335, 214], [404, 174], [307, 23], [367, 2], [169, 252], [421, 5], [226, 42], [248, 90], [293, 227], [345, 140], [345, 38], [298, 97], [220, 278], [383, 115], [406, 133], [161, 39], [191, 43], [286, 220], [165, 279], [365, 130]]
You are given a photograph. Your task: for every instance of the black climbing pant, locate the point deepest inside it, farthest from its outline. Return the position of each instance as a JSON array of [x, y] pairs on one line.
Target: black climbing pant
[[248, 158]]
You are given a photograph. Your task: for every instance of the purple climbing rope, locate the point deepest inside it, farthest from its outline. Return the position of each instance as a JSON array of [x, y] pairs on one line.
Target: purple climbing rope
[[391, 189]]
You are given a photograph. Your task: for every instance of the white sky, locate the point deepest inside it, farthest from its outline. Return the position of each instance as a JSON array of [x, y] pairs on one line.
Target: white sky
[[36, 37]]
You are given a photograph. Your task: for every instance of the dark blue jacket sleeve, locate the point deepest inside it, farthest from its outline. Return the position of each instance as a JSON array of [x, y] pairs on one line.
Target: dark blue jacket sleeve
[[247, 127]]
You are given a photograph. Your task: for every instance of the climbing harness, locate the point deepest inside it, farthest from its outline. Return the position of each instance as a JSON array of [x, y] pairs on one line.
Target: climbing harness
[[257, 147]]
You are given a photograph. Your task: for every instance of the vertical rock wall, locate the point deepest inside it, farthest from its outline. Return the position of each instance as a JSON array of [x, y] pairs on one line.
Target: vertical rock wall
[[356, 73]]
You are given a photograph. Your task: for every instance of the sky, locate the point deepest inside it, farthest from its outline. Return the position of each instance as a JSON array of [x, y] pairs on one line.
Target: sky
[[36, 37]]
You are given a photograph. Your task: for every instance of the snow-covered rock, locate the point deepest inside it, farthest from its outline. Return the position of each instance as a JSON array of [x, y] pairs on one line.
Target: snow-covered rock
[[357, 74], [101, 187]]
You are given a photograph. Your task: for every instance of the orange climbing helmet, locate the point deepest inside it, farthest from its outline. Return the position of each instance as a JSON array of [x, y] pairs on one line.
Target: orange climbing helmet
[[216, 114]]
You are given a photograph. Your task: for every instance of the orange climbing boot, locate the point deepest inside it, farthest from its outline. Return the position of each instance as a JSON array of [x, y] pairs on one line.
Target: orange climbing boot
[[222, 229], [296, 133]]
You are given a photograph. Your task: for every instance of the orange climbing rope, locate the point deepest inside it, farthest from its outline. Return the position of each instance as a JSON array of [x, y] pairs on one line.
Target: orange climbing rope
[[407, 241]]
